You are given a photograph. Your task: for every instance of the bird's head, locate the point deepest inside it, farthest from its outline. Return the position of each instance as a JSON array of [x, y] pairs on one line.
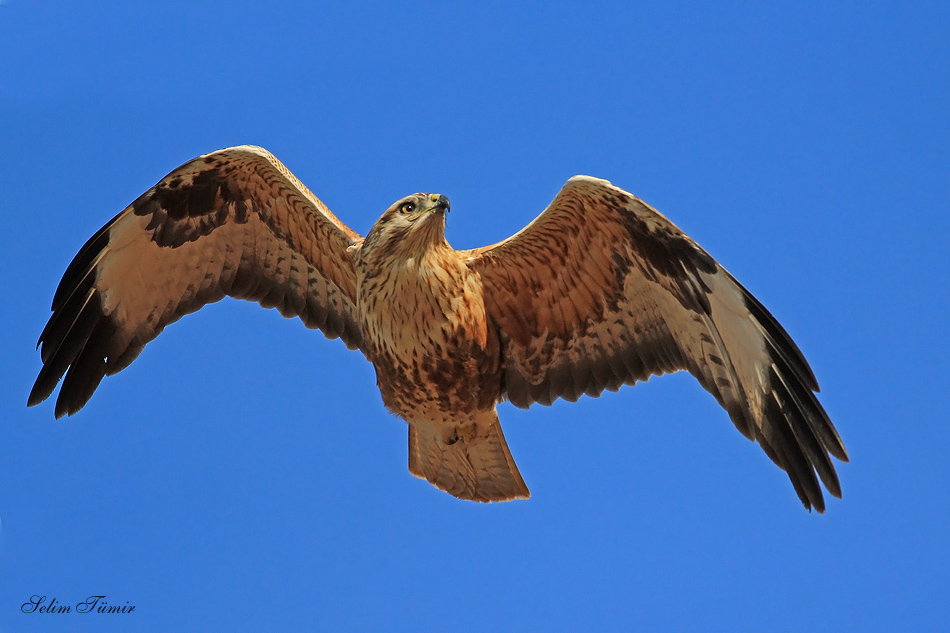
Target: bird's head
[[409, 227]]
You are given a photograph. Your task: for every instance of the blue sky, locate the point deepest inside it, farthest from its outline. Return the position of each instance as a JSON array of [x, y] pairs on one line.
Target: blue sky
[[243, 474]]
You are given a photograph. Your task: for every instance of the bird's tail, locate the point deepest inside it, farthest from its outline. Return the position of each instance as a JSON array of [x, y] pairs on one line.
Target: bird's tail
[[469, 461]]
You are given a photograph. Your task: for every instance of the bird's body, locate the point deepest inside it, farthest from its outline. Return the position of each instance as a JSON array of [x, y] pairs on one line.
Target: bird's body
[[599, 291], [422, 313], [424, 326]]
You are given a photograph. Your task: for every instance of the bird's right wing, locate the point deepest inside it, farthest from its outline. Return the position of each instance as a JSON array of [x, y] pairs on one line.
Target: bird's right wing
[[234, 222]]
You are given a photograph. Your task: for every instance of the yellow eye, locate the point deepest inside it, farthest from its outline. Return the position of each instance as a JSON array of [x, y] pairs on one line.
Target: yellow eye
[[409, 207]]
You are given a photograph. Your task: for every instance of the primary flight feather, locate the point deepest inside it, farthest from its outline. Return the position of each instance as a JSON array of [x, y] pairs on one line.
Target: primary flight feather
[[599, 291]]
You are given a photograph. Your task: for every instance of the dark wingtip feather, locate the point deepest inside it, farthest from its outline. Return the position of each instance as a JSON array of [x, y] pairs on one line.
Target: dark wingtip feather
[[70, 338], [63, 320], [81, 264], [39, 392], [809, 441], [792, 456], [783, 343], [87, 370], [814, 415]]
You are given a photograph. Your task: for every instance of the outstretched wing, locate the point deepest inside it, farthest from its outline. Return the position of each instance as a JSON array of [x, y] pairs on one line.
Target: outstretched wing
[[234, 222], [601, 290]]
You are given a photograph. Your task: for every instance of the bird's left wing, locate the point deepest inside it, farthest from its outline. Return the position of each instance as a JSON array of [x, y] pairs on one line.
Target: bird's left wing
[[601, 290], [233, 222]]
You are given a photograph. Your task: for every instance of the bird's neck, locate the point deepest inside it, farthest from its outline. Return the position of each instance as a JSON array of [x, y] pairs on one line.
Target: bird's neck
[[411, 303], [426, 243]]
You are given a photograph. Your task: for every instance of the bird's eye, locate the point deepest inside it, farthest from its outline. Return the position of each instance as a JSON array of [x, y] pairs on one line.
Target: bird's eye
[[408, 207]]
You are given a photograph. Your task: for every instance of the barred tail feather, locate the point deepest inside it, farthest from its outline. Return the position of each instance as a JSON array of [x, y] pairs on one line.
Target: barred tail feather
[[471, 461]]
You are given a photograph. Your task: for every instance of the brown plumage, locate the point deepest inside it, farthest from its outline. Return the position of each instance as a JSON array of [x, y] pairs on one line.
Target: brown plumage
[[599, 291]]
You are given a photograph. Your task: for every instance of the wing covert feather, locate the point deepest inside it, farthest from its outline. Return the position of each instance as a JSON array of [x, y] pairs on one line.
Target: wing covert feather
[[602, 290], [234, 223]]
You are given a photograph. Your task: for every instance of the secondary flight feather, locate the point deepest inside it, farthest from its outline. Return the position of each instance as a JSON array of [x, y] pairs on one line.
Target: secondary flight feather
[[599, 291]]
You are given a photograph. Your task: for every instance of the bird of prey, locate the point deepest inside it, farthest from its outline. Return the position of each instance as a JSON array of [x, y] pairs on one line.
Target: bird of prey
[[599, 291]]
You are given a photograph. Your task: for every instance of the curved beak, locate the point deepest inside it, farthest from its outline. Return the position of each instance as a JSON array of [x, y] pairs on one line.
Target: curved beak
[[433, 202]]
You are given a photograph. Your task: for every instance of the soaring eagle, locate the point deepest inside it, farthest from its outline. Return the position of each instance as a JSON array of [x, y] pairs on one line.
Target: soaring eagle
[[599, 291]]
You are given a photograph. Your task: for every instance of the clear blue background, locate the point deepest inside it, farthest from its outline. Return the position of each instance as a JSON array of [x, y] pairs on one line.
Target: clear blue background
[[242, 474]]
